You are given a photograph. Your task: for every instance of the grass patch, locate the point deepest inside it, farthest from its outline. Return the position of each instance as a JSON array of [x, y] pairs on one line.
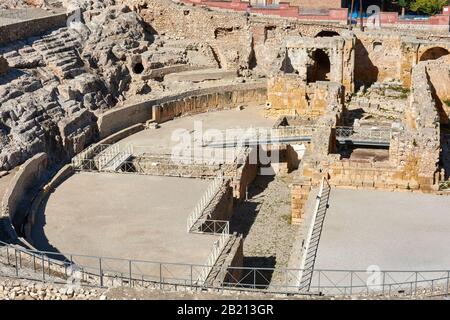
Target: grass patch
[[447, 102], [287, 218]]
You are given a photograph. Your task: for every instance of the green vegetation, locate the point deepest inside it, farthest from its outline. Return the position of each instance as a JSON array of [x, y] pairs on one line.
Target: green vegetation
[[447, 102], [428, 7]]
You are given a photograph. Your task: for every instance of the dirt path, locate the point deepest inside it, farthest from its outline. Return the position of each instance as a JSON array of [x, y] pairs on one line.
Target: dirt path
[[264, 220]]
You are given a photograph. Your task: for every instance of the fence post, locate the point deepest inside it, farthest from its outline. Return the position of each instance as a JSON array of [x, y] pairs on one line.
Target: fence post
[[446, 289], [160, 275], [351, 282], [191, 276], [129, 264], [101, 271], [7, 253], [43, 268], [17, 267], [415, 285], [318, 282]]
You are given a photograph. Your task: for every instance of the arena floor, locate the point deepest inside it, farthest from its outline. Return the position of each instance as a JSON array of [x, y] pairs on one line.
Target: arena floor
[[124, 216], [162, 140], [392, 230]]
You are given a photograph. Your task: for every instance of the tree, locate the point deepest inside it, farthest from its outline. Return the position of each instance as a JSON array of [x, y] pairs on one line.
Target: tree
[[429, 7], [404, 4]]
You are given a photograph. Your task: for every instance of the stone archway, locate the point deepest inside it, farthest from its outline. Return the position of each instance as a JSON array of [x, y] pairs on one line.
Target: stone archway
[[433, 53], [321, 68], [327, 34]]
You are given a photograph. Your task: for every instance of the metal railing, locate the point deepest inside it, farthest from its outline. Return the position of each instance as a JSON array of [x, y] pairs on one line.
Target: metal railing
[[319, 205], [101, 157], [361, 134], [204, 202], [85, 157], [215, 227], [112, 158], [257, 135], [218, 247], [107, 272]]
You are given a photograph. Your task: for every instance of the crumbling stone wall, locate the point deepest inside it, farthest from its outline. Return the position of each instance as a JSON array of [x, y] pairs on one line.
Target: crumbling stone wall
[[287, 94], [439, 77], [377, 56], [339, 51], [249, 43], [423, 123], [171, 106], [413, 50]]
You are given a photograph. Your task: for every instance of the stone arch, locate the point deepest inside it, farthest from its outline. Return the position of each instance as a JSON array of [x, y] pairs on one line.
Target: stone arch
[[320, 69], [433, 53], [326, 34]]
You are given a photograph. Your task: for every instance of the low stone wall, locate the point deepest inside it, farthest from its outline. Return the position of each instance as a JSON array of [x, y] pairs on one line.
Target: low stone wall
[[28, 28], [190, 102], [44, 192], [221, 208], [234, 252], [15, 201], [217, 99]]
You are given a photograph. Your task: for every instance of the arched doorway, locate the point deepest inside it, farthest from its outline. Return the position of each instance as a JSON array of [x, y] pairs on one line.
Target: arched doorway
[[327, 34], [434, 53], [320, 69]]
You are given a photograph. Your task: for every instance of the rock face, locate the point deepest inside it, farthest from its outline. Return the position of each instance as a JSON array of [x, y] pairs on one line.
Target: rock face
[[58, 83]]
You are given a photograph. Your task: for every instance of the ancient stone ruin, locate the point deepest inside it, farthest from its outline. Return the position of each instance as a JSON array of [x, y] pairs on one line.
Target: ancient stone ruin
[[210, 141]]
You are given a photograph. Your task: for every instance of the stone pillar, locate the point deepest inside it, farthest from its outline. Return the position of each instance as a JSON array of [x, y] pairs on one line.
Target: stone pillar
[[299, 194]]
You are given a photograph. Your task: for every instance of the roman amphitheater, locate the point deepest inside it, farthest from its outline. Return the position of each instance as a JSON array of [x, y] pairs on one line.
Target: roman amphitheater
[[197, 147]]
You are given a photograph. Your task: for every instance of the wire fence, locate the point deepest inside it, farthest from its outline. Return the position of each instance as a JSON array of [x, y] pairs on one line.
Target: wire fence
[[358, 134], [110, 272]]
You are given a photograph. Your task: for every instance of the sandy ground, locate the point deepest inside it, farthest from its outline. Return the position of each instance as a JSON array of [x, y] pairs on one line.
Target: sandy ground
[[393, 230], [124, 216], [163, 139]]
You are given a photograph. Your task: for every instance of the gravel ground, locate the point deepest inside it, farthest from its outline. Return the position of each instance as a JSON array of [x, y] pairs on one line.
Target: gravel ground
[[264, 220]]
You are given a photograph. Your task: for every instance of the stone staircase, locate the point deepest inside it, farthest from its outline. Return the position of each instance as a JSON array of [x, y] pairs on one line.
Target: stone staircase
[[60, 52]]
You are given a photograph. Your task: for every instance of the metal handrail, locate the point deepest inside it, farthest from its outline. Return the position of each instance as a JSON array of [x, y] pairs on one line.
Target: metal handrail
[[324, 183], [416, 281], [204, 202]]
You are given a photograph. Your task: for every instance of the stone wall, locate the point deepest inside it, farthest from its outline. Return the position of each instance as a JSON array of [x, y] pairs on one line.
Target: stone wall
[[221, 207], [377, 56], [28, 28], [15, 202], [41, 195], [190, 102], [287, 94], [214, 100], [244, 174], [439, 76], [339, 51]]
